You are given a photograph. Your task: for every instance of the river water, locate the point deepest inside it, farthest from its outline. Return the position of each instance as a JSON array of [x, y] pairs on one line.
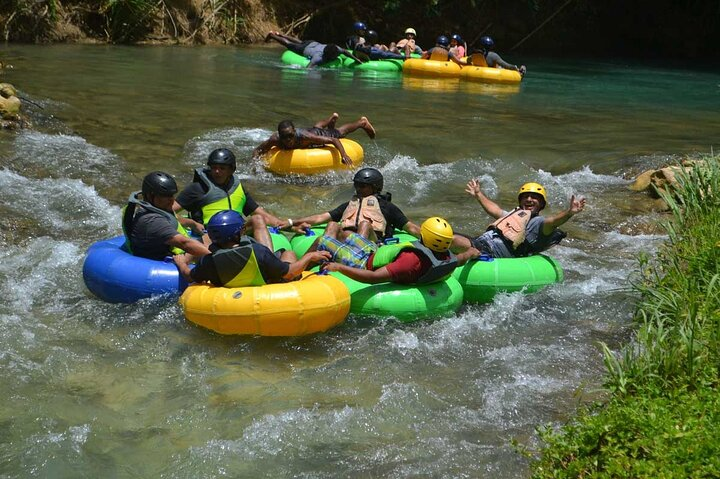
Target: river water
[[98, 390]]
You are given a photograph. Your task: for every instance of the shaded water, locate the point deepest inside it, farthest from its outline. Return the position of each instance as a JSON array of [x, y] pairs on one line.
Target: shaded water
[[98, 390]]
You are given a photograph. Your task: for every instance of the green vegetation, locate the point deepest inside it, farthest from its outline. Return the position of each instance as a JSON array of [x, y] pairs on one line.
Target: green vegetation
[[663, 416]]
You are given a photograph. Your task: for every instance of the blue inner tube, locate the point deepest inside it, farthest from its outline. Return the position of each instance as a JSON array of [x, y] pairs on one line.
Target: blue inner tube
[[116, 276]]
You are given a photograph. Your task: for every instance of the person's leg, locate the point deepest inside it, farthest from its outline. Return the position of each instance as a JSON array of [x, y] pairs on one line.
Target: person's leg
[[257, 224], [365, 229], [288, 256], [329, 123], [363, 123], [332, 230], [278, 38]]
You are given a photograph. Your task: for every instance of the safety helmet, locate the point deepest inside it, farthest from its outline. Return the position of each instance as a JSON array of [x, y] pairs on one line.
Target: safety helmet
[[436, 234], [159, 183], [359, 26], [369, 176], [487, 42], [371, 34], [225, 226], [410, 30], [222, 156], [443, 40], [533, 188], [456, 37]]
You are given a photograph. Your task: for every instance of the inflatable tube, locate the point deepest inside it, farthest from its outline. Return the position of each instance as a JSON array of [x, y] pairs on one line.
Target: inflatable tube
[[481, 280], [292, 58], [407, 303], [431, 68], [116, 276], [311, 161], [490, 75], [311, 305], [388, 65]]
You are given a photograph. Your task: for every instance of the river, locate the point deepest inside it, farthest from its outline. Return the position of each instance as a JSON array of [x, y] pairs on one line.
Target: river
[[99, 390]]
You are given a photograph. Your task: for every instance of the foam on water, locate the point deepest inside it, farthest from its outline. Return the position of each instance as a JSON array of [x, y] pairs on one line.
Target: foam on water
[[63, 155], [58, 207]]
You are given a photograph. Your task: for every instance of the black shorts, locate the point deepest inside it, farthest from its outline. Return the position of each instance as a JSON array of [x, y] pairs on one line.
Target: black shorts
[[326, 132]]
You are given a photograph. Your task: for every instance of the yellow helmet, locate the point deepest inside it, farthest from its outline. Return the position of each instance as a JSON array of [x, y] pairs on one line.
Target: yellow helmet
[[533, 188], [436, 234]]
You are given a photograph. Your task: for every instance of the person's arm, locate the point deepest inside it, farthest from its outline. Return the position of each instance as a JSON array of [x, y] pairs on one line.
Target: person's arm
[[301, 224], [455, 59], [381, 275], [350, 54], [194, 247], [270, 219], [325, 140], [306, 260], [412, 228], [265, 146], [490, 207], [467, 255], [553, 222], [182, 262], [426, 55]]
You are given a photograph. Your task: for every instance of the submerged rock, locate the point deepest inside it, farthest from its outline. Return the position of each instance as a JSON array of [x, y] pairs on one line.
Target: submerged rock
[[11, 116]]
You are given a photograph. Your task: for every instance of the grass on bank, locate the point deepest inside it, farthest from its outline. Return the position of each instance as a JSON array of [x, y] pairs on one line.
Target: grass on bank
[[663, 416]]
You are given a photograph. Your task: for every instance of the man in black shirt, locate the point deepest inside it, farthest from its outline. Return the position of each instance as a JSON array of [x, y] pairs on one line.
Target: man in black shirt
[[369, 213]]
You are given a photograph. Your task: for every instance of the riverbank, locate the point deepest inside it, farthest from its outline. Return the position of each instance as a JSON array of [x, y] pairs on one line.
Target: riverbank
[[663, 415]]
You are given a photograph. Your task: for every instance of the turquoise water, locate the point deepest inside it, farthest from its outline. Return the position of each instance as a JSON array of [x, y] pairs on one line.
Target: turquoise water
[[98, 390]]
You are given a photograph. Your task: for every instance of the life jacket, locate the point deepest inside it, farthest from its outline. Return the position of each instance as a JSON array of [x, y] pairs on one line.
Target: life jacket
[[512, 226], [478, 59], [439, 269], [439, 54], [128, 213], [368, 209], [217, 199], [238, 266]]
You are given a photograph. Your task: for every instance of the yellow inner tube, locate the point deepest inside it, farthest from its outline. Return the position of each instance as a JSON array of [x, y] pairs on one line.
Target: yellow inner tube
[[490, 75], [431, 68], [311, 161], [311, 305]]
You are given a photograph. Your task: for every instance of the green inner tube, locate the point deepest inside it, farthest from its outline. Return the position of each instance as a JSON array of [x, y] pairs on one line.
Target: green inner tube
[[280, 241], [292, 58], [407, 303], [374, 65], [482, 280]]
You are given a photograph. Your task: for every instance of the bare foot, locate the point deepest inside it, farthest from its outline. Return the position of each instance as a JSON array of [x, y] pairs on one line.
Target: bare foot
[[367, 126], [268, 37], [333, 118]]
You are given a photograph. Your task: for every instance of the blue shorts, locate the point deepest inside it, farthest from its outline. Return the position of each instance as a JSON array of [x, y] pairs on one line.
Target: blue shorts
[[354, 252]]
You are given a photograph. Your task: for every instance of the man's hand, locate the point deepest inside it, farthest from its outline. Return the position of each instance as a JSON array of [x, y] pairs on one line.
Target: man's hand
[[347, 160], [331, 267], [576, 206], [473, 188]]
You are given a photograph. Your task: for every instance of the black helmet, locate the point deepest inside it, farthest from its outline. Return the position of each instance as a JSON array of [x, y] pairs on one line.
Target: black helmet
[[456, 37], [371, 35], [159, 183], [487, 42], [443, 40], [369, 176], [222, 156]]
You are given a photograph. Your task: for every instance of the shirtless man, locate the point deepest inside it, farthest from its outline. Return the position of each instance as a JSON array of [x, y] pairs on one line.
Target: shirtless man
[[322, 133]]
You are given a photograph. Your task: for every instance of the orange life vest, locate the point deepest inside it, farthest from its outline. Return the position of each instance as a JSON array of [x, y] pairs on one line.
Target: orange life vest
[[367, 209], [478, 60], [512, 226]]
